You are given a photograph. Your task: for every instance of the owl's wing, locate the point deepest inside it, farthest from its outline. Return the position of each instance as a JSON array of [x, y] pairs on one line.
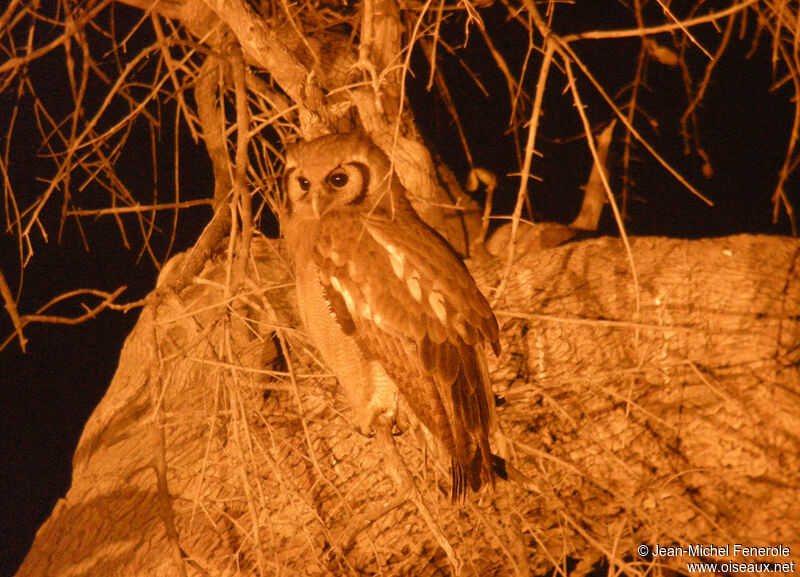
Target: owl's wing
[[411, 303]]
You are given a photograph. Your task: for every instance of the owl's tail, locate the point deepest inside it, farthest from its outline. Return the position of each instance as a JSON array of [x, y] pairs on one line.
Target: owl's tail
[[499, 467], [476, 475]]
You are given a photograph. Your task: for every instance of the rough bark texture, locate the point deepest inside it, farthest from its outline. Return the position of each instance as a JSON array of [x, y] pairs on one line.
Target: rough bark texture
[[674, 422]]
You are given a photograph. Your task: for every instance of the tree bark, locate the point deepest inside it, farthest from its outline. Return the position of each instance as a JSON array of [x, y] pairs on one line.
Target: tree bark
[[674, 421]]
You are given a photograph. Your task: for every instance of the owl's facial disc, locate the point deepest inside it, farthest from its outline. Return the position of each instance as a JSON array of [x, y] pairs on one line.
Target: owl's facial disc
[[317, 182]]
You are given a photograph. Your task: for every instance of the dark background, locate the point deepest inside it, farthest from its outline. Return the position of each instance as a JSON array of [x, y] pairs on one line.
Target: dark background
[[49, 392]]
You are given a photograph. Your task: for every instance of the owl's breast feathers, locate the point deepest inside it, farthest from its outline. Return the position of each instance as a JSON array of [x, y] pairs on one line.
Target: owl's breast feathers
[[398, 288]]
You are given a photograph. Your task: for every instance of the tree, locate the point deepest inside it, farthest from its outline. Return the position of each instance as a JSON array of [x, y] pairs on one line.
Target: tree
[[650, 385]]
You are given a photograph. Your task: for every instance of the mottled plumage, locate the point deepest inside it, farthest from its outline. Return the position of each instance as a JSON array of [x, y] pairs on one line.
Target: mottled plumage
[[388, 303]]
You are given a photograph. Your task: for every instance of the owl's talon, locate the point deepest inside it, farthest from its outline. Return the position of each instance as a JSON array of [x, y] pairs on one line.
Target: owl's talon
[[367, 432]]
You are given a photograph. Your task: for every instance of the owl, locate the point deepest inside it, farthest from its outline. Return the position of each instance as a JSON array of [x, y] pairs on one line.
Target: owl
[[388, 303]]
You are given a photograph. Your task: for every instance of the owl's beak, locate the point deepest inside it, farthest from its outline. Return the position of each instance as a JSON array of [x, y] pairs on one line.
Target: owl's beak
[[317, 203]]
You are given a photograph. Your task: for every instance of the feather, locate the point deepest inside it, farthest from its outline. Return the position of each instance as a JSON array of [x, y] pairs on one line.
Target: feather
[[427, 354], [339, 311], [447, 364]]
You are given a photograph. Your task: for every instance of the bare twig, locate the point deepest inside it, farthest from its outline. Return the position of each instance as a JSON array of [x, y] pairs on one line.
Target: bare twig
[[11, 307], [242, 197], [526, 165], [24, 320], [651, 30], [602, 174]]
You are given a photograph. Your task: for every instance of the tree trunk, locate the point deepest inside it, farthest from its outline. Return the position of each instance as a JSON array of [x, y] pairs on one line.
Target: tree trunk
[[666, 415]]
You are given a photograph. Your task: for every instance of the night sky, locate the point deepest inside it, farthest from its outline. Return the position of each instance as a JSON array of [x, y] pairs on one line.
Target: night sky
[[49, 392]]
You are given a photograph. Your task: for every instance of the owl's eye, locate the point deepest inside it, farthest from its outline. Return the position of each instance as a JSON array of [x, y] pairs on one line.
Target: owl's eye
[[338, 179], [304, 183]]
